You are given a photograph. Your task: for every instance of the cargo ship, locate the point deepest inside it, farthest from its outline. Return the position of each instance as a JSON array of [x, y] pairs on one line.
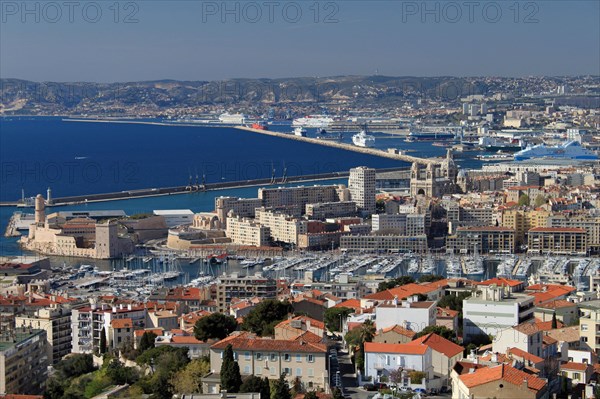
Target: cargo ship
[[568, 150], [429, 136]]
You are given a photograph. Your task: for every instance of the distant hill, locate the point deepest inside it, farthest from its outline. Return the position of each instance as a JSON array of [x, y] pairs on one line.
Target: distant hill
[[27, 97]]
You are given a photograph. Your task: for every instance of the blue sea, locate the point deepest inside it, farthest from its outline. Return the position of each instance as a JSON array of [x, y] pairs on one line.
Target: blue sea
[[74, 158]]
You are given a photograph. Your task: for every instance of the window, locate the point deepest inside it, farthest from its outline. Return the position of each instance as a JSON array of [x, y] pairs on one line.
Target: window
[[287, 357], [258, 356], [298, 372], [287, 370], [247, 356], [298, 358], [584, 327], [273, 357], [584, 339], [246, 369], [310, 358], [575, 376]]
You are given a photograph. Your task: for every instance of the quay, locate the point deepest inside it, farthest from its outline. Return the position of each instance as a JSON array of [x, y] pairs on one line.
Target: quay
[[347, 147], [156, 192]]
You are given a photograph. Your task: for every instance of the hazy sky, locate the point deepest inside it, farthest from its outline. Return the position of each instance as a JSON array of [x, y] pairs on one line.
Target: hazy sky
[[107, 41]]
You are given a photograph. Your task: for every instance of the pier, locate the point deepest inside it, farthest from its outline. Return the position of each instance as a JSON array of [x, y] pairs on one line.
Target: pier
[[347, 147], [156, 192]]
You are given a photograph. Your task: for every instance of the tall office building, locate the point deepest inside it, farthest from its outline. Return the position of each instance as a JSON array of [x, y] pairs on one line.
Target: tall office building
[[362, 189]]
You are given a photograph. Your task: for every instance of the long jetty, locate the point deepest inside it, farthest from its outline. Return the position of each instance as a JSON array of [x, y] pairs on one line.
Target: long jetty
[[344, 146], [157, 192]]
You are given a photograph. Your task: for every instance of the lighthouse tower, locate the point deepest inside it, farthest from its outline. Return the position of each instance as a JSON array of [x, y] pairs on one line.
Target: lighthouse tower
[[40, 210]]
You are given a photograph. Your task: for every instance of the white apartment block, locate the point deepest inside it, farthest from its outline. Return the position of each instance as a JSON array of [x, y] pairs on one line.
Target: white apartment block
[[283, 227], [361, 185], [409, 314], [245, 231], [493, 311]]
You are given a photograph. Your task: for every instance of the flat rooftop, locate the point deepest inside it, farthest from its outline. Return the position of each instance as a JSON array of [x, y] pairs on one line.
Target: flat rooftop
[[17, 336]]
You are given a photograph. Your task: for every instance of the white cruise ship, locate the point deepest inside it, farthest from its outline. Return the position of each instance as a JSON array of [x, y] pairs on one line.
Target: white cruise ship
[[569, 150], [234, 119], [362, 139], [313, 121]]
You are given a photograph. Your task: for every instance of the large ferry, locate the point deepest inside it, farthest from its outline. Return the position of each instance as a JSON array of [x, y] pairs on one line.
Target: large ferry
[[234, 119], [569, 150], [362, 139], [313, 121], [495, 144]]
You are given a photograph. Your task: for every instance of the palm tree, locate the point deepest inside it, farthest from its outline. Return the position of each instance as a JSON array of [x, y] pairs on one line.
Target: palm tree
[[367, 331]]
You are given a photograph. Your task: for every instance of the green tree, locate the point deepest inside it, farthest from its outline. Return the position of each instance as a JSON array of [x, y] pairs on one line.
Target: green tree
[[54, 389], [524, 200], [231, 380], [416, 377], [252, 384], [147, 341], [442, 331], [311, 395], [265, 316], [429, 278], [216, 325], [102, 347], [265, 390], [337, 394], [396, 282], [333, 317], [281, 389], [539, 200], [189, 379], [554, 321], [118, 374], [75, 365]]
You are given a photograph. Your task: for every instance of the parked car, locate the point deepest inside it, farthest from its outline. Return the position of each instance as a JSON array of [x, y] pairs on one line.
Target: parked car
[[369, 387], [421, 392], [380, 386]]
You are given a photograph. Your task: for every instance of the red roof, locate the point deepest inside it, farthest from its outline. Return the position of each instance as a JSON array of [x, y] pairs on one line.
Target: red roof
[[350, 303], [439, 344], [574, 366], [502, 282], [525, 355], [409, 348], [121, 323], [246, 340], [399, 330], [556, 230], [503, 372]]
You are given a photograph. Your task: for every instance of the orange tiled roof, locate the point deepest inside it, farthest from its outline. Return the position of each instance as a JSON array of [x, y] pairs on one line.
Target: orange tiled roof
[[547, 325], [157, 331], [557, 304], [313, 322], [574, 366], [445, 312], [406, 290], [350, 303], [501, 282], [121, 323], [527, 328], [525, 355], [439, 344], [502, 372], [409, 348], [246, 340], [399, 330]]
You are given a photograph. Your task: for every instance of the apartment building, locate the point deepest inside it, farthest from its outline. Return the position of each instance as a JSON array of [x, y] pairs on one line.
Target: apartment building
[[494, 309], [23, 361], [246, 231], [410, 314], [56, 321], [324, 210], [381, 243], [361, 185], [589, 326], [267, 357], [521, 221], [87, 323], [282, 227], [383, 359], [589, 222], [300, 196], [557, 240], [241, 287], [243, 207], [485, 239]]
